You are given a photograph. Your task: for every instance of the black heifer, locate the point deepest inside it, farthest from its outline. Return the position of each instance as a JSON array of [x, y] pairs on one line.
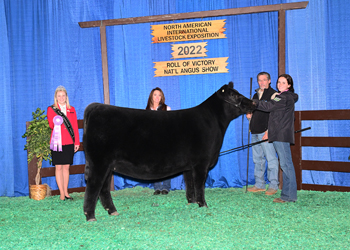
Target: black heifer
[[150, 145]]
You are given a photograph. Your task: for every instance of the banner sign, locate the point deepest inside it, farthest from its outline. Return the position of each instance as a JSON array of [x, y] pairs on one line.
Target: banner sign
[[191, 67], [188, 50], [178, 32]]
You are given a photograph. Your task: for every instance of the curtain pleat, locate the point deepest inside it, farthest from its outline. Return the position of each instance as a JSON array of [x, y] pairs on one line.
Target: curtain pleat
[[7, 171]]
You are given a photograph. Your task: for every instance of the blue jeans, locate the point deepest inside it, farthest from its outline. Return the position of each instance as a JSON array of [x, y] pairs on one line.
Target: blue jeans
[[260, 152], [165, 185], [289, 188]]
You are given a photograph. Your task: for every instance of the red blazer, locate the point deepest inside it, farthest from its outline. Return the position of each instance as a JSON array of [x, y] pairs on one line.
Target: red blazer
[[72, 116]]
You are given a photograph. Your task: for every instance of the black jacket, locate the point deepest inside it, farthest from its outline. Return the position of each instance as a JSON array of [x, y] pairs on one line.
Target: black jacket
[[260, 119], [281, 122]]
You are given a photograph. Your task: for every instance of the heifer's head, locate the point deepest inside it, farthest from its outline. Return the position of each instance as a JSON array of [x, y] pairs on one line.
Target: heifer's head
[[242, 104]]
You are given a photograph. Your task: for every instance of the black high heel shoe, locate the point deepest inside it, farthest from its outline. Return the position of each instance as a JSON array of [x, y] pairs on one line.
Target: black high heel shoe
[[68, 198]]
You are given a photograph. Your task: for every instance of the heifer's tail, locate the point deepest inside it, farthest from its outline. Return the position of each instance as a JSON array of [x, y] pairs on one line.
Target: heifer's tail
[[87, 113]]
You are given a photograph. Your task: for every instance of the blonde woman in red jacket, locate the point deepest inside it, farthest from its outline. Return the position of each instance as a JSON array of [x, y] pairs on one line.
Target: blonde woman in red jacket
[[63, 133]]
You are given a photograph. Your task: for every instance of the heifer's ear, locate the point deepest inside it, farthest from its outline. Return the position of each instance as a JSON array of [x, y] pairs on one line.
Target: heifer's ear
[[230, 84]]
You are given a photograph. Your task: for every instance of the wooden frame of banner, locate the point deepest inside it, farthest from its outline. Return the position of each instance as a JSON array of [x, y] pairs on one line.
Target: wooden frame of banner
[[281, 8]]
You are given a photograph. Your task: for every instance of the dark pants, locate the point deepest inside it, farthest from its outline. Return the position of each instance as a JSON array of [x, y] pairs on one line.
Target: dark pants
[[165, 185]]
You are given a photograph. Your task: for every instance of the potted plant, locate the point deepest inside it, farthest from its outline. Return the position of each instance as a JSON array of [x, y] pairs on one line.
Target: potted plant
[[38, 136]]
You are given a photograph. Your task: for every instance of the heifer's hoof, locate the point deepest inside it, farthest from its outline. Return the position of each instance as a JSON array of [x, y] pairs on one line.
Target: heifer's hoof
[[202, 204], [90, 216], [190, 201], [114, 213]]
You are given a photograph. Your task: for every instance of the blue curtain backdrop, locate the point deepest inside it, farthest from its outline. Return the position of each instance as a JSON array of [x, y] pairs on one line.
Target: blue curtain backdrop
[[42, 46], [7, 173]]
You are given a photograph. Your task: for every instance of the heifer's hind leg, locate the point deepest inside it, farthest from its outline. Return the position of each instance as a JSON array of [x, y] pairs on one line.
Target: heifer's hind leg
[[90, 200], [96, 178], [105, 196], [190, 194]]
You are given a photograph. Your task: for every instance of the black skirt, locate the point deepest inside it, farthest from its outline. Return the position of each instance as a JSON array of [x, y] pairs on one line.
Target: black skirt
[[63, 157]]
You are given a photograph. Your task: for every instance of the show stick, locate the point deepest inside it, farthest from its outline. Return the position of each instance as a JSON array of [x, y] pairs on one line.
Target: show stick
[[250, 97]]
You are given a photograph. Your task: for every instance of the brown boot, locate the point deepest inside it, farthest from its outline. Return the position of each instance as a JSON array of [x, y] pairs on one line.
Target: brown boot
[[254, 189], [279, 200], [271, 191]]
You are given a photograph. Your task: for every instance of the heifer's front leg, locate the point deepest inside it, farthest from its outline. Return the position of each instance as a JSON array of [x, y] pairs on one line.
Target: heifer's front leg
[[105, 196], [199, 178], [190, 194]]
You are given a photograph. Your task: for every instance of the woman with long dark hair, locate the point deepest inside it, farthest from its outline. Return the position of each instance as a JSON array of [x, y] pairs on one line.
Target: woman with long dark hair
[[281, 132], [156, 102]]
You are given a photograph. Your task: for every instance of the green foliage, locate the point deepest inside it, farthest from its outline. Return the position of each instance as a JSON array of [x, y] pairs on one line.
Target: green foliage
[[38, 138]]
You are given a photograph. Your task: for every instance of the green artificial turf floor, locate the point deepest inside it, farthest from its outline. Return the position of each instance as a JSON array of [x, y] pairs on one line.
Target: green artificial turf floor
[[234, 220]]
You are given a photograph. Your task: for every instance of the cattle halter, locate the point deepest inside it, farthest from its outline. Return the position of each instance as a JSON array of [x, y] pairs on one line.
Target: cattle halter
[[237, 105]]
